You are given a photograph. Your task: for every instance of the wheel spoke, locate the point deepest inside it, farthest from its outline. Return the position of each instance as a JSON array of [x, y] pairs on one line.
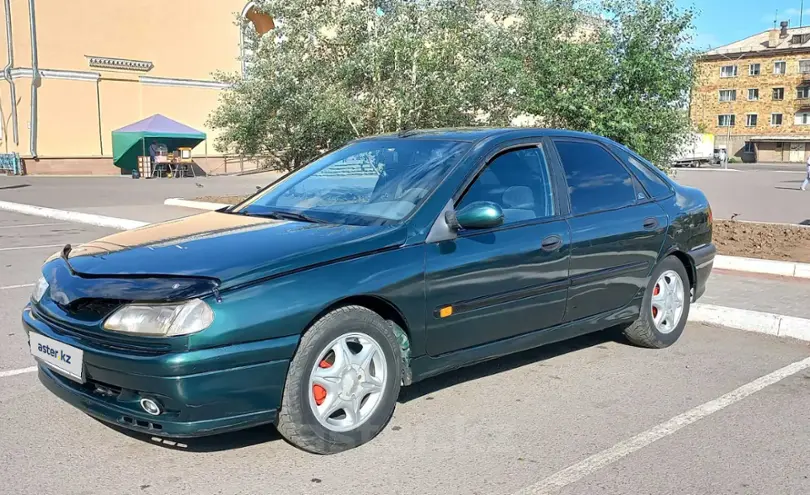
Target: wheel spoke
[[659, 315], [659, 298], [352, 409], [363, 358], [343, 356], [331, 404], [371, 385]]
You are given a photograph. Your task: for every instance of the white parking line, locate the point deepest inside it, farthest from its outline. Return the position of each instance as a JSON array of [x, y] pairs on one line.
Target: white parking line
[[27, 225], [22, 371], [41, 246], [21, 286], [594, 463], [72, 216]]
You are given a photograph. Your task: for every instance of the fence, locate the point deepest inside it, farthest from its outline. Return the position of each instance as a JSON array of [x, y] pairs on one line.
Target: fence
[[10, 163]]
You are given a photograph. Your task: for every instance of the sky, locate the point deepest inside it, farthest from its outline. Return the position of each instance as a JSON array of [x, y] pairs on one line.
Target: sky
[[720, 22]]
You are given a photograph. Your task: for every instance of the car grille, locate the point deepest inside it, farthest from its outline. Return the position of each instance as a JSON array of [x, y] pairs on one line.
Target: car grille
[[103, 339]]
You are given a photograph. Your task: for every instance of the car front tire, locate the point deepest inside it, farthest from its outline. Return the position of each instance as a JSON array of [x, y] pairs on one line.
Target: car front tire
[[343, 382], [664, 308]]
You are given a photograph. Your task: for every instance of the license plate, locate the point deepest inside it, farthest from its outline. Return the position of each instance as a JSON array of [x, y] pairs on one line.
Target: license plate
[[62, 358]]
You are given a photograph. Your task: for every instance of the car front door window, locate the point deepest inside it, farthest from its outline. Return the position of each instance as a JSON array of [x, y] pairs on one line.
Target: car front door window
[[519, 182]]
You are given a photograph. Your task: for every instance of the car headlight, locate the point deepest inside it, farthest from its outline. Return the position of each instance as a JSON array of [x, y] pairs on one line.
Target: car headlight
[[161, 320], [39, 289]]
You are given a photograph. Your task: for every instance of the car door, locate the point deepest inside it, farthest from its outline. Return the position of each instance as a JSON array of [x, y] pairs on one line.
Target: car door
[[488, 285], [616, 231]]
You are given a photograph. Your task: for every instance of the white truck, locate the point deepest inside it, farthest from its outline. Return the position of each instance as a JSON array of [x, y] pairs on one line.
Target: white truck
[[698, 150]]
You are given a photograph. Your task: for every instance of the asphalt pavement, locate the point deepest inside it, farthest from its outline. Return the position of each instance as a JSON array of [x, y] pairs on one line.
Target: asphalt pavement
[[756, 193], [502, 427]]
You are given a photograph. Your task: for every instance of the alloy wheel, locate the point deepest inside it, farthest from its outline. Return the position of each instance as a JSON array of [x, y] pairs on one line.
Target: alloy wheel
[[347, 382], [667, 301]]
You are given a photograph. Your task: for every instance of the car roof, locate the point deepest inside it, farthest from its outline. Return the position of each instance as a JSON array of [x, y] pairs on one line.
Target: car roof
[[475, 134]]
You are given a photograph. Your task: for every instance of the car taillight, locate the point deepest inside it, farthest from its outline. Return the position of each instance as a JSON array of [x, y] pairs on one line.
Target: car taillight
[[711, 217]]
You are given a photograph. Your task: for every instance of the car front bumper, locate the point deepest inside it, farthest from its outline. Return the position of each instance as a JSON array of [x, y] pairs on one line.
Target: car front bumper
[[703, 261], [202, 392]]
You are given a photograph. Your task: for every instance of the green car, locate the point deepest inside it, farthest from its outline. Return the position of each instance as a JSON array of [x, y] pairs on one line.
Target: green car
[[386, 262]]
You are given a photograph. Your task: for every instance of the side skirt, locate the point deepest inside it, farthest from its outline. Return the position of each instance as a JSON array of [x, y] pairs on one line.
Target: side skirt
[[427, 366]]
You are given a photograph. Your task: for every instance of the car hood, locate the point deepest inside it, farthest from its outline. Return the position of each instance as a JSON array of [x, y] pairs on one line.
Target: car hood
[[232, 249]]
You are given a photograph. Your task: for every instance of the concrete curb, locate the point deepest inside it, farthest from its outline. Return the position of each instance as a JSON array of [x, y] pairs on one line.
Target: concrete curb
[[755, 265], [72, 216], [751, 321], [197, 205]]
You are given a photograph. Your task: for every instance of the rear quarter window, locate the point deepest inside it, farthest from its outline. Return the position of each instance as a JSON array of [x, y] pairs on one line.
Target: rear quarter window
[[650, 177]]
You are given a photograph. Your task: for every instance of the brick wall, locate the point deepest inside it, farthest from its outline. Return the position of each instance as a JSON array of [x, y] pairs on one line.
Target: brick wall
[[706, 105]]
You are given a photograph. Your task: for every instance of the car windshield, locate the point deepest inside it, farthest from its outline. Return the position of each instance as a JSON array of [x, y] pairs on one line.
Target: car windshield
[[376, 182]]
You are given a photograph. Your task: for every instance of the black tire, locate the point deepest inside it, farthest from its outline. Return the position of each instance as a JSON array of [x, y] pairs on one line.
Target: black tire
[[296, 421], [643, 332]]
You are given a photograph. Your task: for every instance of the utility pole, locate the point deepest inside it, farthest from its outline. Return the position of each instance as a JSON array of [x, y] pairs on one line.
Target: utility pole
[[801, 15]]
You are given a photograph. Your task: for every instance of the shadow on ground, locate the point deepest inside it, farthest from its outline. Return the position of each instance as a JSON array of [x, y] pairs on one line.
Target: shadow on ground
[[268, 433], [16, 186]]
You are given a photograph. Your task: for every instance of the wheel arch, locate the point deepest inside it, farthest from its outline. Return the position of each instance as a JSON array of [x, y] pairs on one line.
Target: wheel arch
[[688, 264], [389, 312]]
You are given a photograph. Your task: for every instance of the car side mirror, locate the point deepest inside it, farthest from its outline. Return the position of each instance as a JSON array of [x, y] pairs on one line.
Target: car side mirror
[[478, 215]]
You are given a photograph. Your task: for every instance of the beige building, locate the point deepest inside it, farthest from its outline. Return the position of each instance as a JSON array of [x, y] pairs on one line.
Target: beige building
[[76, 70], [754, 96]]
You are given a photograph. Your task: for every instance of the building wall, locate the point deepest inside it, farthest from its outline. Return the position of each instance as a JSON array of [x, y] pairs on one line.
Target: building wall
[[706, 105], [187, 41]]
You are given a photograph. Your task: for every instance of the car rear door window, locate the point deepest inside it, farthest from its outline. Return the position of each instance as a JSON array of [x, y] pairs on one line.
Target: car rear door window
[[596, 180], [519, 182]]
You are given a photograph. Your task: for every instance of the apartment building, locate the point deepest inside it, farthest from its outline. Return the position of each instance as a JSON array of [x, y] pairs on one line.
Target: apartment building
[[754, 96], [76, 70]]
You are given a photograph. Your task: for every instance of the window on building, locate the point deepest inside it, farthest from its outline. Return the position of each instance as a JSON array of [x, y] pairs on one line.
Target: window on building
[[254, 25], [596, 180], [779, 67], [779, 145], [751, 120], [803, 92], [776, 119], [804, 66], [728, 95], [728, 71], [800, 39], [749, 147], [802, 118], [753, 94], [754, 69], [519, 182], [726, 120], [778, 94]]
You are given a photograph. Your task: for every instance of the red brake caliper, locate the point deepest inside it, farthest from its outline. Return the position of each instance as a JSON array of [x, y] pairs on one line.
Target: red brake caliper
[[656, 291], [317, 391]]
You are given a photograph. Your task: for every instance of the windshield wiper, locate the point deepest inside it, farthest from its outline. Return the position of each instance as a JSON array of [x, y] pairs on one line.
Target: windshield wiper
[[286, 215]]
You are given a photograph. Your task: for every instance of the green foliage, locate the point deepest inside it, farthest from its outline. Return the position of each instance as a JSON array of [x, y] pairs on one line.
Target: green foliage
[[334, 70]]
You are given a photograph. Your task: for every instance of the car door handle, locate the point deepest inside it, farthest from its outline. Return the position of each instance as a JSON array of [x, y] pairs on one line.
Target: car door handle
[[552, 243], [650, 223]]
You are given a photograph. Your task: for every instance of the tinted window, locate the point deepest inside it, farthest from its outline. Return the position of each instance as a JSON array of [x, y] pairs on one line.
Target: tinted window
[[596, 181], [652, 181], [519, 182]]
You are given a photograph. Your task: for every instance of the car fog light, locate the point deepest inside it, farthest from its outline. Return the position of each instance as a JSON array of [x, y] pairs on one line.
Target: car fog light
[[151, 407]]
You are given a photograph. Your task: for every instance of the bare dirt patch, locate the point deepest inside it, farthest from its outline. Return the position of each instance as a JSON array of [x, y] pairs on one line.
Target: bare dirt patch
[[748, 239], [762, 240]]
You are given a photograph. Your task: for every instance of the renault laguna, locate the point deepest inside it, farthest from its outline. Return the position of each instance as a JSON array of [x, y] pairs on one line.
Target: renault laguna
[[391, 260]]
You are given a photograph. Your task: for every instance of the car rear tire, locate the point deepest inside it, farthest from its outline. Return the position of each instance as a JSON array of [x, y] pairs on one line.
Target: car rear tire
[[664, 308], [343, 382]]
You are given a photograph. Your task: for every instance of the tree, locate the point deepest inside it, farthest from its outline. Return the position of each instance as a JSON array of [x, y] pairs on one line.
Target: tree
[[333, 70]]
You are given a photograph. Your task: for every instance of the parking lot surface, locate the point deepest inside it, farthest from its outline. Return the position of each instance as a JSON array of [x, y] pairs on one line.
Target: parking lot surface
[[753, 193], [499, 427]]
